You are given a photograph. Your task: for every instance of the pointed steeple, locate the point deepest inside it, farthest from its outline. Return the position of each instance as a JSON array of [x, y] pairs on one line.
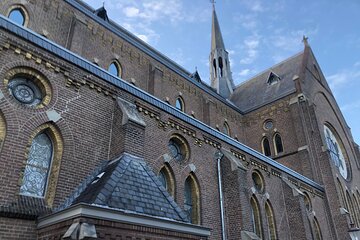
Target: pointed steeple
[[216, 37], [220, 73]]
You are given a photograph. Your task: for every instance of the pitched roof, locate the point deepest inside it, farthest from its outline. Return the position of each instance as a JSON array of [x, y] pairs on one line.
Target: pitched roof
[[257, 92], [129, 184], [216, 37]]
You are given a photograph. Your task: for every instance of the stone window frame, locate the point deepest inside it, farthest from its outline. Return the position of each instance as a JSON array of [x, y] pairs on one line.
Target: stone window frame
[[118, 67], [256, 216], [271, 224], [2, 130], [307, 201], [317, 229], [258, 181], [168, 174], [58, 146], [37, 79], [182, 145], [226, 129], [266, 150], [180, 104], [22, 10], [192, 182], [276, 144]]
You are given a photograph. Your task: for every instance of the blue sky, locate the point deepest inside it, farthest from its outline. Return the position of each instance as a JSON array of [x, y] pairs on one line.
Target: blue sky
[[257, 34]]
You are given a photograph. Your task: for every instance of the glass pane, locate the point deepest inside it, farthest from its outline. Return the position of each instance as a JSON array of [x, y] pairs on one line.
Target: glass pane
[[37, 167], [113, 69], [179, 104], [266, 147], [162, 179], [188, 199], [17, 16]]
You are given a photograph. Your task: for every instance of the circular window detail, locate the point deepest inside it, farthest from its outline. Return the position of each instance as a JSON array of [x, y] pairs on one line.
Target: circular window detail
[[258, 181], [268, 125], [178, 148], [25, 91], [28, 87]]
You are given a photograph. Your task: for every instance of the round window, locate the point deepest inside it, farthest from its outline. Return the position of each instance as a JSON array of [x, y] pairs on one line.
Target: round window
[[258, 181], [25, 91], [268, 124], [28, 87], [178, 148]]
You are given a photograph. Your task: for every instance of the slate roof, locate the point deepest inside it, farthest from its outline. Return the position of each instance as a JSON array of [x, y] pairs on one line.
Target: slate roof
[[256, 92], [129, 184]]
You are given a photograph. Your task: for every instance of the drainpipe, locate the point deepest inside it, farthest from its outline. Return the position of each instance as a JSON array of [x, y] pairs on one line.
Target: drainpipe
[[218, 156]]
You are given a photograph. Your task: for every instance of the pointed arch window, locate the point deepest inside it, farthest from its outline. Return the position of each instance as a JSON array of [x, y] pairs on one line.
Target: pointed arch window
[[256, 217], [356, 209], [317, 230], [278, 144], [166, 177], [37, 168], [220, 67], [115, 69], [351, 208], [192, 199], [266, 146], [179, 104], [214, 67], [226, 129], [42, 167], [270, 221]]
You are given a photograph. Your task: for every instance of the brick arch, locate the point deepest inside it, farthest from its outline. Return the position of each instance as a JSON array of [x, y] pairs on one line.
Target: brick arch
[[2, 130], [29, 66], [24, 6]]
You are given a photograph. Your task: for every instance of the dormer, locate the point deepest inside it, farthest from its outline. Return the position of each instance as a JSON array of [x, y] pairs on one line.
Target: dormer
[[273, 78]]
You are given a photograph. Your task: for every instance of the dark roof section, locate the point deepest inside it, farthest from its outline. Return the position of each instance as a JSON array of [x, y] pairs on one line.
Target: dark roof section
[[196, 76], [129, 184], [101, 13], [80, 62], [25, 207], [257, 92]]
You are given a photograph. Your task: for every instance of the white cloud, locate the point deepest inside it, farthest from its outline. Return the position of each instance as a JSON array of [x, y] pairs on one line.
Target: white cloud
[[131, 11], [244, 72], [342, 78], [250, 46]]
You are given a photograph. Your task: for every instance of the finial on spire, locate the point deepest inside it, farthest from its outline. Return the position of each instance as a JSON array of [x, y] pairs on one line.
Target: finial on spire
[[305, 40], [213, 2], [103, 4]]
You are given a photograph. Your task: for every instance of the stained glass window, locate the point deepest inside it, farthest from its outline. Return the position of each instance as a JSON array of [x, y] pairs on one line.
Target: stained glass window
[[192, 199], [25, 91], [255, 216], [335, 151], [176, 150], [270, 221], [162, 178], [37, 166], [278, 144], [188, 206]]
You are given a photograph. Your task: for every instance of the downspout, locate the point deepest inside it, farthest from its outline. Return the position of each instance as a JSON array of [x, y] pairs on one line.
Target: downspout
[[218, 156]]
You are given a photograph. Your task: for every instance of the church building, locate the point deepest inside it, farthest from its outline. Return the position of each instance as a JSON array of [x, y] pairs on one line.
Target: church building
[[104, 137]]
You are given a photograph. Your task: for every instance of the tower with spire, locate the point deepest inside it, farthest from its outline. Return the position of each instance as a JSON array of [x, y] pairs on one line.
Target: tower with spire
[[220, 73]]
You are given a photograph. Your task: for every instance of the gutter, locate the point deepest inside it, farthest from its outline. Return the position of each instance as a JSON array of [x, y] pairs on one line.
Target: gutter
[[218, 156]]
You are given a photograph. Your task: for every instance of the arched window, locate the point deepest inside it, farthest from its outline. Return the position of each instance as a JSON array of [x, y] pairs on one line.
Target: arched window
[[357, 209], [278, 144], [115, 69], [42, 167], [192, 199], [220, 67], [37, 168], [214, 67], [256, 217], [18, 15], [341, 191], [226, 129], [2, 130], [307, 202], [166, 177], [266, 147], [179, 104], [270, 221], [336, 150], [351, 208], [317, 230]]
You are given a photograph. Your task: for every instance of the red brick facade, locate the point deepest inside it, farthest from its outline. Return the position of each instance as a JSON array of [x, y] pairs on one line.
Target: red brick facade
[[92, 129]]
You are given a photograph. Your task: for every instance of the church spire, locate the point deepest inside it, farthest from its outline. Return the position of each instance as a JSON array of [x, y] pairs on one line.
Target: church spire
[[220, 73]]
